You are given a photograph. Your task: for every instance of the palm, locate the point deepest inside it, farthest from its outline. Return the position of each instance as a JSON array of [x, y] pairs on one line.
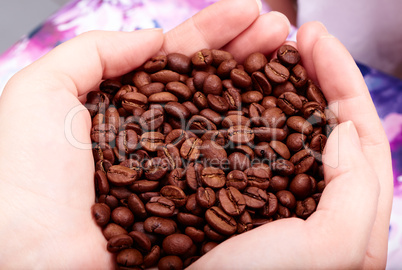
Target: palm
[[48, 181]]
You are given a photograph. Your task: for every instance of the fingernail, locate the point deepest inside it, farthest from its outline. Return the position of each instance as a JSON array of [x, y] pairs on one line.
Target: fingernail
[[353, 135], [259, 4], [285, 18]]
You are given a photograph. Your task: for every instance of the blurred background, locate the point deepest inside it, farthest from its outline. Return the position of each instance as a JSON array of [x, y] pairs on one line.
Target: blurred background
[[19, 17]]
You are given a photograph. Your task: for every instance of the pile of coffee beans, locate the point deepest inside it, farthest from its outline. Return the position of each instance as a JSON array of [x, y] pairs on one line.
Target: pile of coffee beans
[[190, 151]]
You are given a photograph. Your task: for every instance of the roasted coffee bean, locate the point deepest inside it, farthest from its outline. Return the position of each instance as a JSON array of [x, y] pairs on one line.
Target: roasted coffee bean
[[217, 103], [176, 137], [270, 208], [193, 175], [177, 178], [196, 235], [259, 176], [160, 206], [141, 241], [177, 244], [101, 183], [131, 101], [299, 124], [240, 78], [127, 141], [122, 216], [219, 147], [155, 64], [119, 242], [255, 197], [205, 197], [199, 124], [290, 103], [286, 198], [238, 161], [296, 141], [283, 167], [170, 263], [280, 149], [136, 206], [305, 208], [150, 141], [301, 186], [140, 186], [268, 134], [101, 213], [213, 177], [220, 221], [213, 151], [298, 76], [160, 225], [156, 168], [152, 257], [171, 155], [240, 134], [162, 98], [103, 133], [188, 219], [303, 161], [190, 150], [237, 179], [112, 229], [276, 72], [202, 58], [175, 194], [313, 93], [254, 62], [251, 97], [288, 55], [121, 176], [231, 201]]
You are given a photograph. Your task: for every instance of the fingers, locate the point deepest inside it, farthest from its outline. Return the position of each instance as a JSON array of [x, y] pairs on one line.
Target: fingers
[[212, 27], [82, 62], [347, 209], [306, 38], [265, 35]]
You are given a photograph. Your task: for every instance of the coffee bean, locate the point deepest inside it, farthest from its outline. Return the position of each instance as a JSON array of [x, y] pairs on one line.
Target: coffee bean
[[170, 263], [220, 221], [119, 242], [160, 206], [121, 176], [150, 141], [305, 208], [122, 216], [219, 147], [101, 213], [175, 194], [213, 177], [231, 201], [255, 197], [112, 229], [177, 244], [205, 197], [240, 134], [160, 225], [276, 72]]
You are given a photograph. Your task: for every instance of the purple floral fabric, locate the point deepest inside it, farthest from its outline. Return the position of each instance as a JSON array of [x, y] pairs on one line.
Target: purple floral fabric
[[79, 16]]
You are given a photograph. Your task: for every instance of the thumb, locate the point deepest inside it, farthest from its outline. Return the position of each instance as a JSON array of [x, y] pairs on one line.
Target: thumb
[[348, 205]]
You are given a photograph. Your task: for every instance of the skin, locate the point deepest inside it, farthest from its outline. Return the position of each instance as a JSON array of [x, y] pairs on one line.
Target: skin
[[46, 183]]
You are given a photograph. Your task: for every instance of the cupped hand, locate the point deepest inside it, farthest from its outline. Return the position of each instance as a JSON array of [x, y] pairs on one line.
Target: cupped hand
[[46, 182]]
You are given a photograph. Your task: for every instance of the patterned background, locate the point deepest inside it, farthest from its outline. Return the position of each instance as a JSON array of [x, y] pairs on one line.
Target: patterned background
[[79, 16]]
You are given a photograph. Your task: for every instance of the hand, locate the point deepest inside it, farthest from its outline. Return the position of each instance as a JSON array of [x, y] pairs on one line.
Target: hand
[[350, 227], [46, 184]]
